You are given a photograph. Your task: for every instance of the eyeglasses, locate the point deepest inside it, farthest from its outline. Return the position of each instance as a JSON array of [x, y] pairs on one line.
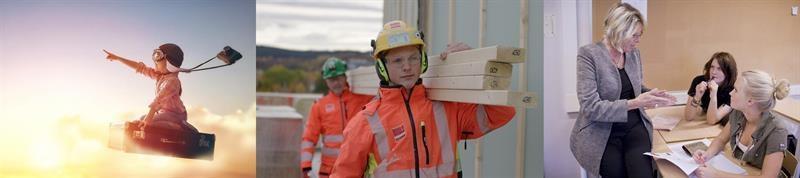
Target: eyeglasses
[[158, 55], [399, 62]]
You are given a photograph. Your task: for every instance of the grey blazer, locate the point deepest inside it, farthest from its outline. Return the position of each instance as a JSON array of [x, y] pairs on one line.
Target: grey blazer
[[599, 87]]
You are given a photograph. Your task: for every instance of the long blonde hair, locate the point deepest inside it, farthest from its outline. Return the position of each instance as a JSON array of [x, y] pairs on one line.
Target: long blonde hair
[[620, 24], [763, 89]]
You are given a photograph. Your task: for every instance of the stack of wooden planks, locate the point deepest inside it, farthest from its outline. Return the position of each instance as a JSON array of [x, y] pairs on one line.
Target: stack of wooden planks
[[363, 80], [481, 76]]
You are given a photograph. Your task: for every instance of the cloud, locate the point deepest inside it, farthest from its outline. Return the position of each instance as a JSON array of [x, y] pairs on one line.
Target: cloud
[[76, 146], [318, 25], [374, 6]]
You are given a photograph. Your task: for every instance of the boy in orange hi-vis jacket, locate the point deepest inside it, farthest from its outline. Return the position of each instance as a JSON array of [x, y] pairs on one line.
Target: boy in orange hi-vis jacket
[[403, 133]]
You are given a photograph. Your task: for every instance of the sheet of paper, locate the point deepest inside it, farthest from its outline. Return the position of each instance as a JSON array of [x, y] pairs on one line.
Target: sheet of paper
[[665, 122], [719, 161], [687, 165]]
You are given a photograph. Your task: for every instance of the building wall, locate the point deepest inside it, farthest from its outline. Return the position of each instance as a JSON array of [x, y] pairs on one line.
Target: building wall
[[680, 36], [567, 27]]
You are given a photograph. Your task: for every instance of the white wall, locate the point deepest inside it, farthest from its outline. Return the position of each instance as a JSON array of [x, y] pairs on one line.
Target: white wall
[[571, 28]]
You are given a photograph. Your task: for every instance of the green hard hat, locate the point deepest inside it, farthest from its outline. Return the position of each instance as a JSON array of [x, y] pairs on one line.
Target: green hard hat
[[333, 67]]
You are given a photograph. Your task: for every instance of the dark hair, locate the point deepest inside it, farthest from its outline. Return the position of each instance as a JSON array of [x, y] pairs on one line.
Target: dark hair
[[728, 66]]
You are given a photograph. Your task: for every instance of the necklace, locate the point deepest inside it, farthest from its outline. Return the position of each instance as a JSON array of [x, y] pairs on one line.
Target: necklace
[[619, 62]]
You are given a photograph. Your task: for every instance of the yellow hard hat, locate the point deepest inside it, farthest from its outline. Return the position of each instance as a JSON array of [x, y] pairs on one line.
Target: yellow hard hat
[[397, 34]]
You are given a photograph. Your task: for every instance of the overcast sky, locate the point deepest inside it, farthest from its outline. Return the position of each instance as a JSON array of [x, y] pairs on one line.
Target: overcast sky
[[318, 24]]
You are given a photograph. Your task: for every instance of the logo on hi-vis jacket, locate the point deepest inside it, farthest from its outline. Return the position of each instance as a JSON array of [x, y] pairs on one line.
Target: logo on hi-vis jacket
[[399, 132], [329, 108]]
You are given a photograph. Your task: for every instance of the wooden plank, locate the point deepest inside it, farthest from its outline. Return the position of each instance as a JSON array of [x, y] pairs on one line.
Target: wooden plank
[[363, 77], [364, 90], [490, 97], [693, 130], [366, 83], [476, 82], [668, 170], [361, 70], [789, 107], [481, 43], [366, 73], [495, 53], [468, 82], [467, 69], [685, 130], [522, 86]]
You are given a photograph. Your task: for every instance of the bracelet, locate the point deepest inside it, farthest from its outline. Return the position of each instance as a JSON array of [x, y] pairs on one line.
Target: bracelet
[[695, 102]]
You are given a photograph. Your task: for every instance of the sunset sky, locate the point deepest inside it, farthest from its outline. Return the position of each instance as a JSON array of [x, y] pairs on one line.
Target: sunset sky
[[53, 69]]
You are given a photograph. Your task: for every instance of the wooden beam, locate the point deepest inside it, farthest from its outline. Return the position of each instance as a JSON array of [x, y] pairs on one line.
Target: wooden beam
[[522, 86], [493, 53], [429, 26], [451, 21], [476, 82], [366, 78], [468, 82], [364, 90], [363, 77], [365, 73], [490, 97], [472, 68], [361, 70], [366, 83], [481, 44]]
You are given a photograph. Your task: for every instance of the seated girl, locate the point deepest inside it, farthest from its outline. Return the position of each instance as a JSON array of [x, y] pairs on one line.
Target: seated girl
[[754, 134], [709, 97]]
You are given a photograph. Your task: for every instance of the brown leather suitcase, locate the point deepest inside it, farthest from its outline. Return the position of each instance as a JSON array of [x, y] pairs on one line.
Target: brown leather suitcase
[[130, 138]]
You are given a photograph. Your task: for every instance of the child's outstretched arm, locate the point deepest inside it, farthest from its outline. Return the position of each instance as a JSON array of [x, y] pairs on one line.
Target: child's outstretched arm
[[135, 65], [113, 57]]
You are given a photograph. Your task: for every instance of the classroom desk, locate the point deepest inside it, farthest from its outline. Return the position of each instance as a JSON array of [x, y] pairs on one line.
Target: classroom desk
[[669, 170], [685, 130], [658, 139], [789, 107], [789, 110]]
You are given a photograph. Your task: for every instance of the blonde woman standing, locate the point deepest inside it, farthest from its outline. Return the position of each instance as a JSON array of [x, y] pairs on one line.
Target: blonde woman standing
[[755, 136], [612, 132]]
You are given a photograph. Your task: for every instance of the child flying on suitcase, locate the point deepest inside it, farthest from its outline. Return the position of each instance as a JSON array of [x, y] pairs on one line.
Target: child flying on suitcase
[[167, 110]]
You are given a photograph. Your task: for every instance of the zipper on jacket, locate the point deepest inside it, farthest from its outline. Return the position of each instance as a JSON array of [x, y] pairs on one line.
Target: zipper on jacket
[[413, 133], [344, 113], [465, 135], [425, 144]]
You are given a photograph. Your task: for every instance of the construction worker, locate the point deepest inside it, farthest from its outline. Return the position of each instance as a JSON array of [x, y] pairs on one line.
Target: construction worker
[[329, 116], [402, 133]]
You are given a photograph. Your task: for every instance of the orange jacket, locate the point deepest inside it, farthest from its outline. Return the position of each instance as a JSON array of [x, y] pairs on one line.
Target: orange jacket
[[328, 116], [382, 141]]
